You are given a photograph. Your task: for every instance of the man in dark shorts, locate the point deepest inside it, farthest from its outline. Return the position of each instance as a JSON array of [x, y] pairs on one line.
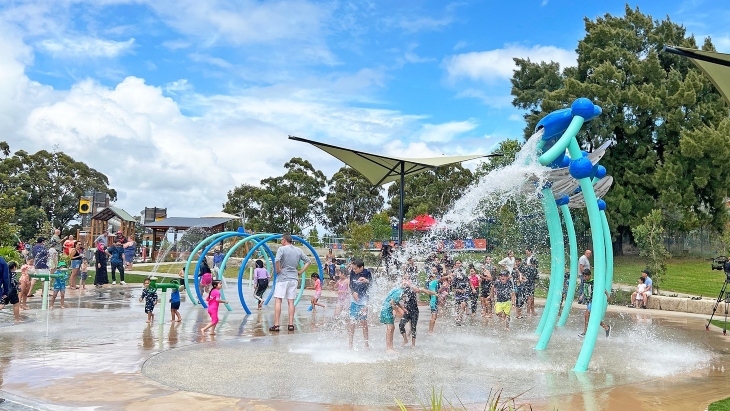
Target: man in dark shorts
[[360, 280]]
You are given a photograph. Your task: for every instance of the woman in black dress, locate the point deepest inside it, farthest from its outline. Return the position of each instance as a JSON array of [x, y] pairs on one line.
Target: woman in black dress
[[101, 277]]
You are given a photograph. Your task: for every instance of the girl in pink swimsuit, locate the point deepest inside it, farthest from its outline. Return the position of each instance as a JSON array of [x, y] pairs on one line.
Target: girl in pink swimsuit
[[343, 293], [214, 300]]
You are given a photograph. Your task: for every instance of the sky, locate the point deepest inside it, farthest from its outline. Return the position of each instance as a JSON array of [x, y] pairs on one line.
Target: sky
[[178, 102]]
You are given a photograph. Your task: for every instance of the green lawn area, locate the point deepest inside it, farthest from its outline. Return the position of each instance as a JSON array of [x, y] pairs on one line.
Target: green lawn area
[[721, 323], [722, 405], [684, 275]]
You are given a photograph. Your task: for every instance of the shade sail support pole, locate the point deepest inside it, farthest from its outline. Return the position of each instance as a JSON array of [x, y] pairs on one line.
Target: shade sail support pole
[[400, 201]]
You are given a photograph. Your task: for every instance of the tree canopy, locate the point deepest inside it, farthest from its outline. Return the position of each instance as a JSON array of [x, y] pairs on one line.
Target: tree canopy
[[431, 192], [45, 186], [350, 198], [668, 124]]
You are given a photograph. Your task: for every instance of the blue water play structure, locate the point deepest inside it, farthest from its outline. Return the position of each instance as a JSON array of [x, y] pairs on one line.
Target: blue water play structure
[[577, 180], [260, 242]]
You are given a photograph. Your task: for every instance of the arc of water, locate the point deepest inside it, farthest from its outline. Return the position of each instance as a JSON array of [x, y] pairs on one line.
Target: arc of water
[[186, 276], [276, 237], [552, 306], [573, 245]]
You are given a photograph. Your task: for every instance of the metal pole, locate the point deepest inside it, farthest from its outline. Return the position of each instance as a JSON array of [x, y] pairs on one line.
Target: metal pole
[[400, 213]]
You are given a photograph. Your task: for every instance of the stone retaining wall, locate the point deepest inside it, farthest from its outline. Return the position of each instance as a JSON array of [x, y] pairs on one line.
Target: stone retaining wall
[[684, 304]]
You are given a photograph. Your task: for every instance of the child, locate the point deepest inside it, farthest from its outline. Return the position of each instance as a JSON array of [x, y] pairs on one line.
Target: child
[[206, 277], [343, 292], [261, 276], [84, 273], [391, 307], [214, 300], [12, 297], [504, 295], [59, 284], [474, 292], [486, 293], [433, 286], [175, 304], [588, 298], [150, 300], [640, 289], [410, 295], [317, 293], [25, 283]]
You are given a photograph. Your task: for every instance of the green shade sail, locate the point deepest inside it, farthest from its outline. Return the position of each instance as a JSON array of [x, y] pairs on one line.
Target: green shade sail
[[379, 169], [715, 65]]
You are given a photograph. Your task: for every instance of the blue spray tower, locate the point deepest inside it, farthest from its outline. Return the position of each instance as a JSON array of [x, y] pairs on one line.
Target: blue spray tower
[[575, 181]]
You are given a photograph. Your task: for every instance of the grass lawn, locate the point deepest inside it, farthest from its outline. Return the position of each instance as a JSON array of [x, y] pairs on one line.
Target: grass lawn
[[722, 405], [684, 275], [721, 323]]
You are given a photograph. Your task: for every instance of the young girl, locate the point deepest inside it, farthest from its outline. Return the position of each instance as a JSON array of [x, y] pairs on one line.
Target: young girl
[[261, 276], [474, 292], [343, 292], [214, 300], [25, 283], [317, 286], [150, 300], [206, 276], [84, 273], [59, 285]]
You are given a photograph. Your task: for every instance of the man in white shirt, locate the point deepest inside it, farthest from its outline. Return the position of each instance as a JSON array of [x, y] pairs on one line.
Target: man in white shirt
[[583, 264]]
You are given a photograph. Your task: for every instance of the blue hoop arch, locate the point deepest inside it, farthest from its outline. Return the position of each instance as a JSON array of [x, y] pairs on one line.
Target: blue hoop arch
[[190, 260], [271, 259], [263, 242]]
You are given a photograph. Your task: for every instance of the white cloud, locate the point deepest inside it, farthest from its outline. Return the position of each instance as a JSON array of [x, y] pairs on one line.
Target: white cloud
[[498, 64], [81, 47], [445, 132], [175, 44], [213, 61], [491, 100], [460, 45], [416, 24]]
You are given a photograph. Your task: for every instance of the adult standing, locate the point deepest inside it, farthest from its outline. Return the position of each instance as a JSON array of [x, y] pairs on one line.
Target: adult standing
[[584, 263], [331, 261], [40, 256], [77, 257], [130, 249], [217, 258], [101, 276], [287, 260], [116, 253], [56, 239], [360, 280]]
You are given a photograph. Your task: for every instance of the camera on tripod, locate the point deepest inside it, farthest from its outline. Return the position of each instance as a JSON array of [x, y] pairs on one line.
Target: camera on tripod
[[722, 263]]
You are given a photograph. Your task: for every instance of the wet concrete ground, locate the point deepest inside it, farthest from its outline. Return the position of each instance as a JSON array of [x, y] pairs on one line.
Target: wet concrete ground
[[99, 353]]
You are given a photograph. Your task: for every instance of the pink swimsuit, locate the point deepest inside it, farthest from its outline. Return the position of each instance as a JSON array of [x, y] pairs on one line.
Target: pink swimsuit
[[343, 293], [213, 303]]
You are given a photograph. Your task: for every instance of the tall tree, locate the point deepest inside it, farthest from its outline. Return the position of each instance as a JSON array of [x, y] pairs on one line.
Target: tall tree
[[51, 182], [433, 191], [508, 150], [287, 203], [655, 106], [350, 197]]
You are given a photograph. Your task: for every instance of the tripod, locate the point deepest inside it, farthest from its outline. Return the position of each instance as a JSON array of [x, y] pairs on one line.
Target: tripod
[[724, 295]]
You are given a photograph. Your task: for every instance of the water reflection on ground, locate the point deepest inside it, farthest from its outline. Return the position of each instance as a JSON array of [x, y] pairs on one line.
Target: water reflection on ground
[[651, 359]]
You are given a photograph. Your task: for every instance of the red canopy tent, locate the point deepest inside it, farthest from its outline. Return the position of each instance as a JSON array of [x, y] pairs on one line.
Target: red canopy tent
[[423, 222]]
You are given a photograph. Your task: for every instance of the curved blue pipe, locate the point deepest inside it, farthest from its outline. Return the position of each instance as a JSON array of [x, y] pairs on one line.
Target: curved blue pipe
[[264, 241], [235, 247], [213, 243]]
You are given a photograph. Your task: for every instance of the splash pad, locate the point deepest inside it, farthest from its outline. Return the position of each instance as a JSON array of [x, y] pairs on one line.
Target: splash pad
[[539, 357]]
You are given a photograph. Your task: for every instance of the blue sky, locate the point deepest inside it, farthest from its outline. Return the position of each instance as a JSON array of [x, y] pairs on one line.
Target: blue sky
[[180, 101]]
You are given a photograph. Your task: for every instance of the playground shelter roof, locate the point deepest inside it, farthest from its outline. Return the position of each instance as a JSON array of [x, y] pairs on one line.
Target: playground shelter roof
[[110, 212], [715, 65], [182, 223]]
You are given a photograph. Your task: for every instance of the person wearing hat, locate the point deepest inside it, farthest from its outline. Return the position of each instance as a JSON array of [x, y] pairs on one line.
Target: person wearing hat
[[588, 298], [59, 284], [40, 256], [504, 296]]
